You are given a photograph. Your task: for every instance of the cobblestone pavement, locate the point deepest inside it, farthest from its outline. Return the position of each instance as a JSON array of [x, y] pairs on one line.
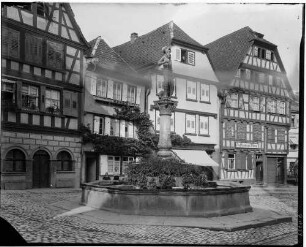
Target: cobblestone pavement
[[29, 212]]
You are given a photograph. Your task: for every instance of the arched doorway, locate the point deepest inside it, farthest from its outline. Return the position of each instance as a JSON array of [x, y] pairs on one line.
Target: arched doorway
[[41, 169]]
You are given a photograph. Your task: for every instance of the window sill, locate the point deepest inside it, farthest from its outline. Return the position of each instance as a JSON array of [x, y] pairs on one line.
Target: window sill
[[119, 102], [192, 100], [205, 102], [14, 173], [65, 171], [190, 134], [204, 135]]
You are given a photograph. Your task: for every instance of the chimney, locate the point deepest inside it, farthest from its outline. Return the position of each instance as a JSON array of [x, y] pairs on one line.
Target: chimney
[[134, 36]]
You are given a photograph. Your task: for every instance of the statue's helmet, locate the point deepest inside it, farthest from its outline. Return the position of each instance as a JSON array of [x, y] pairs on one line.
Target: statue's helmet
[[165, 48]]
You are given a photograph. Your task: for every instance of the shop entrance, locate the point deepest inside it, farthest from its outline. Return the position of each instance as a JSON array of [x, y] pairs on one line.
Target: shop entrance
[[41, 169], [259, 171], [91, 168]]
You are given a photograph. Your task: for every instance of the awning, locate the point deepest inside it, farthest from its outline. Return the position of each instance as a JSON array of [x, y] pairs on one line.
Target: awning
[[293, 140], [196, 157]]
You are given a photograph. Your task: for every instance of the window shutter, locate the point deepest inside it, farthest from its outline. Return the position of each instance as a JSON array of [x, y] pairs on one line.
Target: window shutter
[[42, 103], [124, 92], [33, 49], [93, 85], [225, 161], [19, 94], [74, 104], [110, 89], [138, 95], [122, 128], [107, 126], [131, 130], [191, 58], [96, 124], [250, 162], [67, 102], [4, 40], [178, 54], [14, 43]]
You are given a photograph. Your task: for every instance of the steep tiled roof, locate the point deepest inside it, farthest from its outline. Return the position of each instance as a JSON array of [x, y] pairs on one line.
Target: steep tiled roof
[[108, 58], [228, 52], [146, 50]]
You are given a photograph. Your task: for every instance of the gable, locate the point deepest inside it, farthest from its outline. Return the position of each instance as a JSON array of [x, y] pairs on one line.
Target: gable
[[54, 18]]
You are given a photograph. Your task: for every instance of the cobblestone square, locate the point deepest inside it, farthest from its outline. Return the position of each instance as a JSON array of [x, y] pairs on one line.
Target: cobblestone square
[[32, 214]]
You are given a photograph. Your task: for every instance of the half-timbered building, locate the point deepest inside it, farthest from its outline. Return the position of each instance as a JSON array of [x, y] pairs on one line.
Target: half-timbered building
[[255, 109], [109, 83], [195, 88], [42, 78]]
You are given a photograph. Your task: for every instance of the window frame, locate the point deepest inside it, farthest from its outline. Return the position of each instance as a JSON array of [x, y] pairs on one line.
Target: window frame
[[229, 161], [10, 33], [14, 160], [58, 108], [54, 64], [128, 94], [115, 85], [101, 80], [61, 163], [194, 98], [186, 60], [200, 123], [190, 124], [37, 106], [205, 99]]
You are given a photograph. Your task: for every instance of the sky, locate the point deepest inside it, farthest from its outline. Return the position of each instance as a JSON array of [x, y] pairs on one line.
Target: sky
[[281, 24]]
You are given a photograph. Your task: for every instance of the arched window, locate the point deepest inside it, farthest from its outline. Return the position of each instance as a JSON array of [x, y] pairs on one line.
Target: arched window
[[64, 161], [14, 161]]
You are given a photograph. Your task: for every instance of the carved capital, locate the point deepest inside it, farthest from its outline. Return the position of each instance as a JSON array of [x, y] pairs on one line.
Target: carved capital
[[165, 106]]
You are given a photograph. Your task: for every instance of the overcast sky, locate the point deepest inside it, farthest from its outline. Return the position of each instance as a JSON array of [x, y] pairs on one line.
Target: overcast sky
[[281, 24]]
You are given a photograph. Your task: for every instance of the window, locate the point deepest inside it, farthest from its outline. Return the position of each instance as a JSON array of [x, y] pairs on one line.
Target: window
[[257, 134], [10, 42], [231, 161], [55, 55], [113, 165], [185, 56], [204, 125], [125, 162], [281, 136], [238, 74], [230, 130], [114, 127], [64, 161], [33, 51], [190, 124], [98, 125], [241, 131], [14, 161], [52, 100], [278, 82], [271, 106], [270, 80], [261, 77], [232, 100], [268, 55], [255, 51], [254, 103], [131, 94], [101, 87], [271, 134], [117, 91], [191, 90], [281, 109], [205, 95], [263, 53], [30, 97], [8, 93], [247, 74]]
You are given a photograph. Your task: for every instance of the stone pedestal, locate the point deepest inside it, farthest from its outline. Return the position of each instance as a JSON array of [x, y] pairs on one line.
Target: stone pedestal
[[165, 106]]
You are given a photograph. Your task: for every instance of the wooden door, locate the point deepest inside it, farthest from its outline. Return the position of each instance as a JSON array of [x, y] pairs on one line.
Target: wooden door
[[259, 171], [41, 169], [271, 171], [280, 170]]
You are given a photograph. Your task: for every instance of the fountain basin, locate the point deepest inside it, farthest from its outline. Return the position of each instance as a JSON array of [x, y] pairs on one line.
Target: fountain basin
[[225, 199]]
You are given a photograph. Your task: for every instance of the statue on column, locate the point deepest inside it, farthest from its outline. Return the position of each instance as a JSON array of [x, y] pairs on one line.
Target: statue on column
[[168, 85]]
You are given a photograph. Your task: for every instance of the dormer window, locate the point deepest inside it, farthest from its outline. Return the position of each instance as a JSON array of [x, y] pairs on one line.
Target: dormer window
[[185, 56]]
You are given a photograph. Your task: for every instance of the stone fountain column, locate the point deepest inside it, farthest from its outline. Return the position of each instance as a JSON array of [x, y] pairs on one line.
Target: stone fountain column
[[165, 106]]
